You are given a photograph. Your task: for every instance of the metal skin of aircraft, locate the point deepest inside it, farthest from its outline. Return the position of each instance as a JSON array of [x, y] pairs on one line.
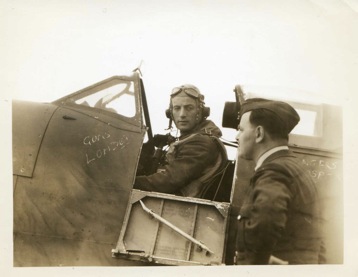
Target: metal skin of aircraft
[[73, 168], [74, 164]]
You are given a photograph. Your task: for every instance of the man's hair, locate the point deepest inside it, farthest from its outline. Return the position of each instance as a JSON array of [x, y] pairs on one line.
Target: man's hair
[[270, 122]]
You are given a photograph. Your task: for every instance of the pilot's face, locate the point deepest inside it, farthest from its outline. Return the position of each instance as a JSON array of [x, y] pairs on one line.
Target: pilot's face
[[185, 113], [246, 137]]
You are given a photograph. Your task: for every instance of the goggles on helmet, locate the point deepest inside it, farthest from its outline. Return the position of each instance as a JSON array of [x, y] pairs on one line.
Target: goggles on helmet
[[189, 91]]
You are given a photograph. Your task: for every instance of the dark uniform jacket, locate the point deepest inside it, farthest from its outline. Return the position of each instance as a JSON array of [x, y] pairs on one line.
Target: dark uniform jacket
[[280, 215], [191, 163]]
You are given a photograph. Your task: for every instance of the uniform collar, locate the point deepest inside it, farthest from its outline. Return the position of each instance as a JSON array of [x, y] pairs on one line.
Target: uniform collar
[[265, 155]]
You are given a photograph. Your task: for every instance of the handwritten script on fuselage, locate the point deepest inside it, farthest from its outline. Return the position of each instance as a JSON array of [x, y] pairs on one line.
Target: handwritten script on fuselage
[[319, 168], [101, 145]]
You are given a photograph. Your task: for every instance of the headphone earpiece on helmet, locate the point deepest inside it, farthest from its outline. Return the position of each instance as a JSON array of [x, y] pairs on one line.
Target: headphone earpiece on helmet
[[206, 112]]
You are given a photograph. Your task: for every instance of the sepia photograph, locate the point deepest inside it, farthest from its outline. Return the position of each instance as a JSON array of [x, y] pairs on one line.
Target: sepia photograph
[[158, 138]]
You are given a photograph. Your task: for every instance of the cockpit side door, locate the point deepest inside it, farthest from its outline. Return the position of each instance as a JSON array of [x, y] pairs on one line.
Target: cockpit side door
[[71, 210]]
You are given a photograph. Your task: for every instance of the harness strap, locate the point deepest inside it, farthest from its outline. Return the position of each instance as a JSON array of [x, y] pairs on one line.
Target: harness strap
[[197, 187]]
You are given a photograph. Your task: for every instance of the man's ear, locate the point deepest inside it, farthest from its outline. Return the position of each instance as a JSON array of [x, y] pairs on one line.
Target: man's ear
[[259, 134]]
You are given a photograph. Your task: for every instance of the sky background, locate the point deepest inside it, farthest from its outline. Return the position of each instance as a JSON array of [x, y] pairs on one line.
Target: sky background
[[305, 50], [292, 49]]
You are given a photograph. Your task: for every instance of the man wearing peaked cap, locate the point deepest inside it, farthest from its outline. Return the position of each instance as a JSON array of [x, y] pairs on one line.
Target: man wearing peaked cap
[[280, 219]]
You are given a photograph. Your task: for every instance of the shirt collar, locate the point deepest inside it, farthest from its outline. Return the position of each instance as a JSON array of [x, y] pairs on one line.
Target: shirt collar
[[265, 155]]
